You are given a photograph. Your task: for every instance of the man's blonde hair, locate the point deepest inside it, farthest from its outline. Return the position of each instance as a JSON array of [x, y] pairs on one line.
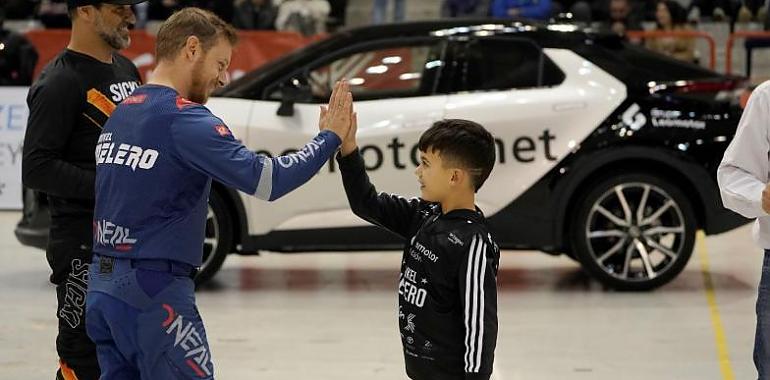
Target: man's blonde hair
[[183, 24]]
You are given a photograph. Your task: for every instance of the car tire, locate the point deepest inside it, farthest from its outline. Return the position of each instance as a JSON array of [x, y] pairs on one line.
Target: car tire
[[218, 238], [628, 247]]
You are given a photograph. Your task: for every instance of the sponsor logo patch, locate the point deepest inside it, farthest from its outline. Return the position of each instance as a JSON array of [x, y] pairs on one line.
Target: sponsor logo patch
[[110, 234], [135, 99], [222, 130]]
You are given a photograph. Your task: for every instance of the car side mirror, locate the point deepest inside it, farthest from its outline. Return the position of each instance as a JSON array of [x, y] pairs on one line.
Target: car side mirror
[[292, 92], [288, 98]]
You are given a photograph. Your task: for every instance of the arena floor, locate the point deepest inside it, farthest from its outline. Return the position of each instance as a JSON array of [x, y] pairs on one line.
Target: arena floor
[[333, 316]]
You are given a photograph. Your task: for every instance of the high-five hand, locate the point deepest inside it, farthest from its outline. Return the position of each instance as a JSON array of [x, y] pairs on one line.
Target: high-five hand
[[338, 116]]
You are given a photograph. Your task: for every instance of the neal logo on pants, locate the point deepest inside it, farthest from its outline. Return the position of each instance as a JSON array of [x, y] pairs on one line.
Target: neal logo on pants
[[187, 338]]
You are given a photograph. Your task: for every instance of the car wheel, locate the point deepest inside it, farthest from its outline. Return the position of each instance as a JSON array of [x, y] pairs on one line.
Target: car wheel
[[633, 231], [218, 238]]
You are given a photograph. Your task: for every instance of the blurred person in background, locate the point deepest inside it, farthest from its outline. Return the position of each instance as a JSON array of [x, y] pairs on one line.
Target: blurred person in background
[[53, 14], [531, 9], [141, 11], [622, 17], [254, 14], [380, 10], [19, 9], [580, 10], [465, 8], [222, 8], [18, 57], [337, 15], [163, 9], [672, 17], [307, 17]]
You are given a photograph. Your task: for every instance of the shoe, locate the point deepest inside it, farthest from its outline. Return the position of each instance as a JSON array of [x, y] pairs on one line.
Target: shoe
[[65, 372]]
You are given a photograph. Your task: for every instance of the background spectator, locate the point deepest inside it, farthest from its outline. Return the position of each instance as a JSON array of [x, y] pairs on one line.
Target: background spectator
[[380, 9], [19, 9], [222, 8], [718, 10], [142, 12], [465, 8], [307, 17], [533, 9], [581, 10], [17, 57], [254, 14], [337, 15], [671, 16], [54, 14], [622, 17], [163, 9]]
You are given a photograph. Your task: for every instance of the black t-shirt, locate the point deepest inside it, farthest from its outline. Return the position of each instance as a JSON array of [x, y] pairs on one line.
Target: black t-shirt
[[68, 106]]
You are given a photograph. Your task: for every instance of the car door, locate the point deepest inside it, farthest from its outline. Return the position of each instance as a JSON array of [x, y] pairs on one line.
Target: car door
[[393, 85], [538, 103]]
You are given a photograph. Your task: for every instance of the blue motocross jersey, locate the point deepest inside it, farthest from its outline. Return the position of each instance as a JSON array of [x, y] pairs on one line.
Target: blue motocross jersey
[[155, 160]]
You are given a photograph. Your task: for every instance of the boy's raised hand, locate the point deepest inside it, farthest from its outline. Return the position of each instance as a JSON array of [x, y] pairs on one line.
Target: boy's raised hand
[[349, 144]]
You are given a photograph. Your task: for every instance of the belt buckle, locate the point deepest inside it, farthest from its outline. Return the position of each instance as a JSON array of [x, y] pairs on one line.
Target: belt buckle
[[106, 264]]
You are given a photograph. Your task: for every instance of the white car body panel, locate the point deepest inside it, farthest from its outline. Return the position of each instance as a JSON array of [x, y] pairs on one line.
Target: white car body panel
[[570, 111]]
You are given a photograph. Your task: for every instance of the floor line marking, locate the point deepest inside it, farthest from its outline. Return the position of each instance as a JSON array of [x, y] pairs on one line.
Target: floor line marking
[[716, 321]]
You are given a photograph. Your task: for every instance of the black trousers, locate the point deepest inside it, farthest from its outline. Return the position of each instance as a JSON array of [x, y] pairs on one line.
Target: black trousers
[[69, 255]]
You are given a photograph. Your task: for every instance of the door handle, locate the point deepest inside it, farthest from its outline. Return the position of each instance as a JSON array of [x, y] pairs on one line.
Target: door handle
[[569, 106]]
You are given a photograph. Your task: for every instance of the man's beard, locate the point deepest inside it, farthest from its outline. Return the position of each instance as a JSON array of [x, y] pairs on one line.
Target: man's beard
[[200, 89], [113, 37]]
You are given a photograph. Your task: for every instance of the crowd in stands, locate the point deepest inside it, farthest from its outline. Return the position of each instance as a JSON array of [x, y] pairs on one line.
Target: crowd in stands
[[303, 16], [310, 17], [317, 16]]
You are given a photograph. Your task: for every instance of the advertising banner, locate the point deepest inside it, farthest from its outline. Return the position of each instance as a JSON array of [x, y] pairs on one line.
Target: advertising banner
[[13, 120]]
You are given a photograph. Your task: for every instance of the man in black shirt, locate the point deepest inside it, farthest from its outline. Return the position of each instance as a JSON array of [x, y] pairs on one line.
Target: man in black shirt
[[447, 293], [68, 106]]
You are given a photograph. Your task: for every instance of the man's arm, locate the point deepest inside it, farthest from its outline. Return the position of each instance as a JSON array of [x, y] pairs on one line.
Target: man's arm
[[54, 107], [478, 294], [742, 175], [205, 143]]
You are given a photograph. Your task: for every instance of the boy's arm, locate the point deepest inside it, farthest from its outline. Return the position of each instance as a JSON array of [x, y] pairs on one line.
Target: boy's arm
[[478, 295], [392, 212]]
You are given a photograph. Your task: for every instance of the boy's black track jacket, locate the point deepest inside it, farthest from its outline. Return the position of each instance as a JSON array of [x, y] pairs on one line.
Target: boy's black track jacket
[[447, 289]]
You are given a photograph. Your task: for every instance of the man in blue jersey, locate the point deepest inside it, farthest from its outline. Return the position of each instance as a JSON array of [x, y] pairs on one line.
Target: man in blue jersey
[[155, 161]]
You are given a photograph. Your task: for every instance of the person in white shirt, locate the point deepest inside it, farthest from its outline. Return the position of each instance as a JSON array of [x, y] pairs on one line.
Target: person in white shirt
[[743, 183], [307, 17]]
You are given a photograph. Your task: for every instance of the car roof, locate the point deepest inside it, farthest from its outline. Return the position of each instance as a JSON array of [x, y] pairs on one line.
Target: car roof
[[467, 27], [547, 35]]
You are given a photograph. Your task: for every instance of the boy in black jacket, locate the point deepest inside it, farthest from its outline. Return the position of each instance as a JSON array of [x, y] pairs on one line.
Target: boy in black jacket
[[447, 289]]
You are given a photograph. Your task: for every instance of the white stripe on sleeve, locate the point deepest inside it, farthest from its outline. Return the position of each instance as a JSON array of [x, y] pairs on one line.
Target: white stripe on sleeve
[[265, 184]]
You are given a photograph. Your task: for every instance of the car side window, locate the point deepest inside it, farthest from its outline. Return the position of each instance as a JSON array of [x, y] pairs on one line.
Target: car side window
[[378, 73], [502, 64]]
